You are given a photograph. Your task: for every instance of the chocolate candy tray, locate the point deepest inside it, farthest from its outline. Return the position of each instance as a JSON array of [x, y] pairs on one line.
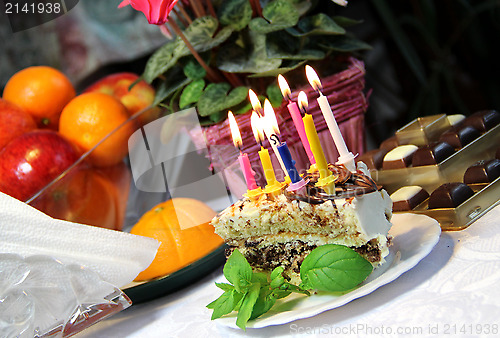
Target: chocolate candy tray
[[486, 196], [451, 169]]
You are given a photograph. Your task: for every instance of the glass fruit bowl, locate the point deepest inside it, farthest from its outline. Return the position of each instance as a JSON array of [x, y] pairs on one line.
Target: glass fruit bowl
[[163, 162]]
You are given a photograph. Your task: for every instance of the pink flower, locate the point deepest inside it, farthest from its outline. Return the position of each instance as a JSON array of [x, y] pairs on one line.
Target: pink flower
[[156, 11]]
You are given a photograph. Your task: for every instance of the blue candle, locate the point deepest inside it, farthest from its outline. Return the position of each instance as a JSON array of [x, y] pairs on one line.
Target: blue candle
[[289, 162]]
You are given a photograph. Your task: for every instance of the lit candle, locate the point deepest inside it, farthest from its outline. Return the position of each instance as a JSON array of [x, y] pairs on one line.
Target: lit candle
[[272, 127], [296, 117], [252, 187], [273, 186], [254, 101], [326, 178], [271, 136], [346, 157]]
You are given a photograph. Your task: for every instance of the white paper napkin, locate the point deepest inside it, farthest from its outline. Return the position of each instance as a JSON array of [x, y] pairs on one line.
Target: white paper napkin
[[117, 257]]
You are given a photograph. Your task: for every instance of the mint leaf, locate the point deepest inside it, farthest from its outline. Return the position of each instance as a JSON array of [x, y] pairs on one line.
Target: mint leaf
[[225, 304], [247, 305], [259, 277], [238, 271], [224, 286], [264, 303], [334, 268]]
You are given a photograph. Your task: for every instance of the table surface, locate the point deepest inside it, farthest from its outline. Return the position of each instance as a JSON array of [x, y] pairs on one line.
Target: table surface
[[454, 291]]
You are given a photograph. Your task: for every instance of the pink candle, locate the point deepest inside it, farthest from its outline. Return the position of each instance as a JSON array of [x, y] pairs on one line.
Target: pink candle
[[296, 117], [243, 158], [247, 171]]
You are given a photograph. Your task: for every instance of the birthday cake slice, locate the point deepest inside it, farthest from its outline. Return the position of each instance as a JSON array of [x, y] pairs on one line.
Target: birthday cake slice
[[274, 230]]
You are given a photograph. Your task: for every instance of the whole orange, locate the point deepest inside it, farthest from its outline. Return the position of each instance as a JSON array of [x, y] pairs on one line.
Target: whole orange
[[182, 226], [89, 118], [42, 92], [82, 196]]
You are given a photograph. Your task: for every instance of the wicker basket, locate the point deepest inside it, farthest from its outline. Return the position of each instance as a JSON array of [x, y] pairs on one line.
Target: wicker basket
[[348, 101]]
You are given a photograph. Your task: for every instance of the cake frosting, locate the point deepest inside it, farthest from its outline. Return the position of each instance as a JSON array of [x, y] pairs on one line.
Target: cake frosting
[[280, 230]]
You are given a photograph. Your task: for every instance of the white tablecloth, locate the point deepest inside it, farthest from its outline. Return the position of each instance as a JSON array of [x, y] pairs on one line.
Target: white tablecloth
[[454, 291]]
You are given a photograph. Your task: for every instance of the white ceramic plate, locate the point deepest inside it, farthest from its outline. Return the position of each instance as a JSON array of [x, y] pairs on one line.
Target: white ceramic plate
[[414, 236]]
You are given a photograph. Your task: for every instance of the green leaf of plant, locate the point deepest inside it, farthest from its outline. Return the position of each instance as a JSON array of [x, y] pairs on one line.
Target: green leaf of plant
[[334, 268], [264, 303], [273, 92], [247, 305], [200, 35], [278, 15], [277, 272], [250, 58], [214, 99], [242, 108], [192, 93], [319, 24], [194, 70], [161, 61], [238, 271], [259, 277], [344, 44], [345, 21], [217, 117], [235, 13], [225, 304], [281, 70], [224, 286], [165, 89], [285, 46]]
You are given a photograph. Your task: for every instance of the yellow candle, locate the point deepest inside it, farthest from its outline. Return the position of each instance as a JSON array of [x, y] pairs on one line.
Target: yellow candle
[[265, 159], [326, 177], [313, 138]]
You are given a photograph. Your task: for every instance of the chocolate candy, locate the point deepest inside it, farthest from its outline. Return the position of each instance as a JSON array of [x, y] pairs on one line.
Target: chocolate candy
[[455, 119], [390, 143], [399, 157], [483, 120], [432, 154], [373, 158], [408, 197], [460, 136], [450, 195], [482, 172]]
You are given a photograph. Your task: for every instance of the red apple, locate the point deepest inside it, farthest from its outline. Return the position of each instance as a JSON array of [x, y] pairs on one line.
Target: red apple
[[139, 97], [32, 160], [13, 122]]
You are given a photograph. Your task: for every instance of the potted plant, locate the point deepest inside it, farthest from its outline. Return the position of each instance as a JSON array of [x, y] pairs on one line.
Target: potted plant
[[223, 48]]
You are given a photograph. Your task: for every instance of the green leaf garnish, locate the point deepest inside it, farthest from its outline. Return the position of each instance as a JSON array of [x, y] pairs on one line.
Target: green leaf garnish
[[327, 268], [334, 268], [238, 271]]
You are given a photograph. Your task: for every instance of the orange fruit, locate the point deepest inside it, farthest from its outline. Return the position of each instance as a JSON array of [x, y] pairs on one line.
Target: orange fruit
[[42, 92], [89, 118], [82, 196], [182, 226]]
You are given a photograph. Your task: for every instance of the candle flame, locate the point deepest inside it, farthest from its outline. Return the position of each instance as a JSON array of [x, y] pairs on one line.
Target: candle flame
[[270, 119], [235, 131], [285, 89], [313, 78], [257, 127], [302, 100], [254, 100]]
